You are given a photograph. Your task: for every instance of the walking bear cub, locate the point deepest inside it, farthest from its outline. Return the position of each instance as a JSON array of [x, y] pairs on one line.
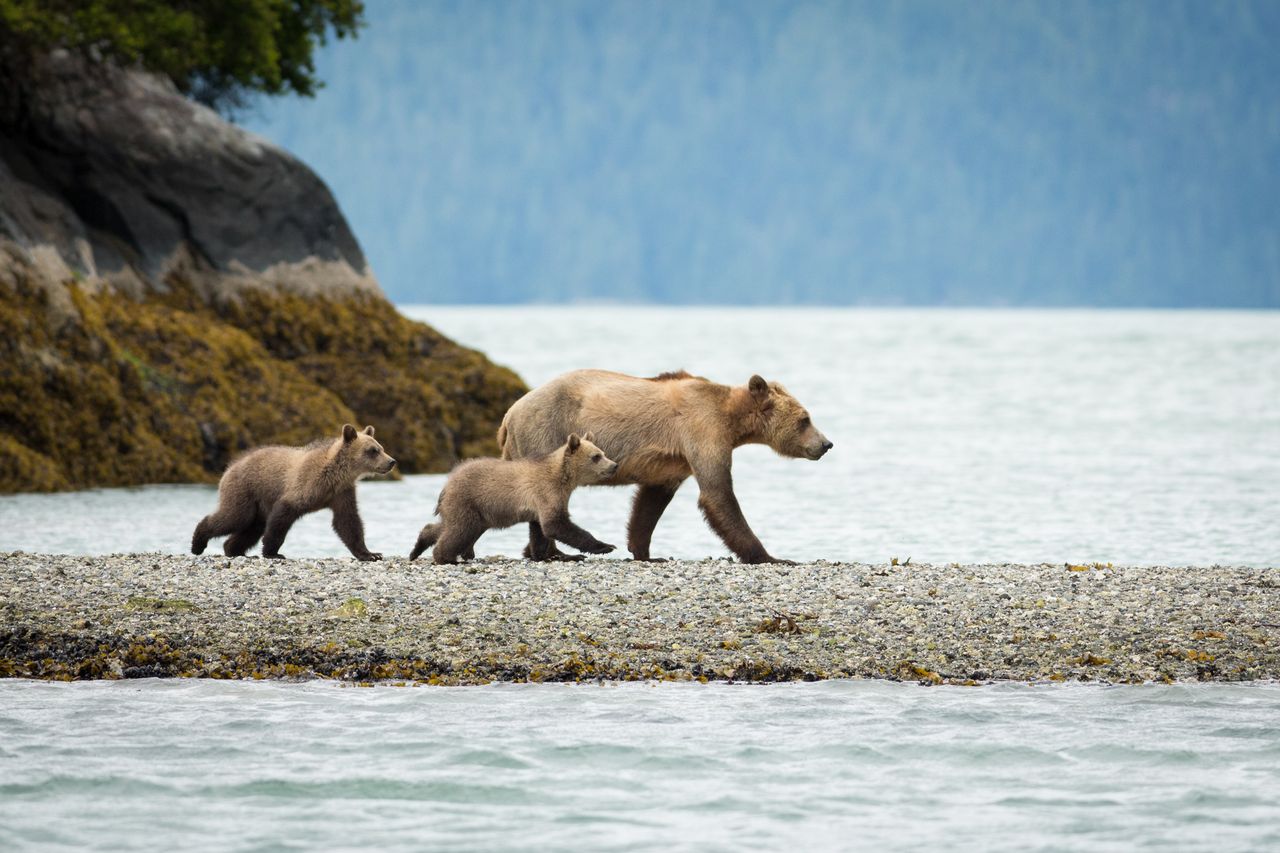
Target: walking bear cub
[[268, 489], [488, 493]]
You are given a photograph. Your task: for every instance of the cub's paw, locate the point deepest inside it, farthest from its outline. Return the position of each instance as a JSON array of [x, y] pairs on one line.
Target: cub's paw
[[600, 548], [369, 556]]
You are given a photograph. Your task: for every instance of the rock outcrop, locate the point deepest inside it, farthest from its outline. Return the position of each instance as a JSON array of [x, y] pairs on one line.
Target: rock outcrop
[[174, 289]]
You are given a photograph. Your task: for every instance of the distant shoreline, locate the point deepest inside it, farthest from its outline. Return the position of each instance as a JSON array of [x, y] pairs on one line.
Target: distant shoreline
[[156, 615]]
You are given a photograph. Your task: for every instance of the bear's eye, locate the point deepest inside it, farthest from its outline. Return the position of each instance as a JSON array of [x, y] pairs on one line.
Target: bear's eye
[[804, 423], [595, 458], [372, 451]]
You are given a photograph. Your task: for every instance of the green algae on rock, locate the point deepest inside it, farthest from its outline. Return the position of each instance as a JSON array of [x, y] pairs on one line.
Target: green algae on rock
[[168, 388]]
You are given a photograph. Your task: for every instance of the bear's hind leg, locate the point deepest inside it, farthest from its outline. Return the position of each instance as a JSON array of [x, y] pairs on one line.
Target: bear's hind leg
[[282, 517], [221, 522], [458, 539], [429, 536], [238, 543], [649, 504]]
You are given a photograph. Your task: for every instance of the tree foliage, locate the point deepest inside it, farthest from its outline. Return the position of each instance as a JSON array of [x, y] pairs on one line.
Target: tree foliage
[[217, 51]]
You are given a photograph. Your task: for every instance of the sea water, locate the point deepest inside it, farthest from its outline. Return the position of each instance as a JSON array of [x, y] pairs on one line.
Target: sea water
[[1132, 437], [173, 765]]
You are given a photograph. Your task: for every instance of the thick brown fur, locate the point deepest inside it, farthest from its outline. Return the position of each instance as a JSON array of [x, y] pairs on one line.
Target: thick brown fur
[[483, 494], [662, 431], [265, 491]]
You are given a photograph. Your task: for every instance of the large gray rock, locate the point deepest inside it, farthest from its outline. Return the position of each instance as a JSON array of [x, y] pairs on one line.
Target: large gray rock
[[113, 177]]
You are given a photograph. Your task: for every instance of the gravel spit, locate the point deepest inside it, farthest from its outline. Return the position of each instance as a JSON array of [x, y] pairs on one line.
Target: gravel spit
[[142, 615]]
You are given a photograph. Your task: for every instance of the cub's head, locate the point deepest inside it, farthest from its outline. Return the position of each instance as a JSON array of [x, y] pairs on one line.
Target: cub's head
[[784, 424], [363, 453], [587, 462]]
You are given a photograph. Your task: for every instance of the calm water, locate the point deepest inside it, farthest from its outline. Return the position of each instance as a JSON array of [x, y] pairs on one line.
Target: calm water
[[865, 765], [1026, 436], [960, 435]]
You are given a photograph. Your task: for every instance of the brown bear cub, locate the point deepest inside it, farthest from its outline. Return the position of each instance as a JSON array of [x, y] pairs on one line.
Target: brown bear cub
[[484, 494], [268, 489]]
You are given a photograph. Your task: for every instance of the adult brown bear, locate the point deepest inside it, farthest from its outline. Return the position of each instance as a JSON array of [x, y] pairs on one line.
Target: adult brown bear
[[660, 431]]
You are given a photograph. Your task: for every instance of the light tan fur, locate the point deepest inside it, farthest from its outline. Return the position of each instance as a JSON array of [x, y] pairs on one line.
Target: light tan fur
[[662, 431], [267, 489], [484, 494]]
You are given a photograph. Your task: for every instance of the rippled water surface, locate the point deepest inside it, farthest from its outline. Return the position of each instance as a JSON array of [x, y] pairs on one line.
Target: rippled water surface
[[1024, 436], [176, 764]]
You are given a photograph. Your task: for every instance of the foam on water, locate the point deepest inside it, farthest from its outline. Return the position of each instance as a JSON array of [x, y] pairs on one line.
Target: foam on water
[[232, 765]]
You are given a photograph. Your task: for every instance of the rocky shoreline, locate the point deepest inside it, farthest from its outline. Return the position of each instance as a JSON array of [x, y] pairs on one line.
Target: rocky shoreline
[[145, 615]]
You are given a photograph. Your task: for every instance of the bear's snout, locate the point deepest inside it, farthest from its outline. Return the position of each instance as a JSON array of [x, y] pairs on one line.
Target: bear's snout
[[391, 463], [823, 447]]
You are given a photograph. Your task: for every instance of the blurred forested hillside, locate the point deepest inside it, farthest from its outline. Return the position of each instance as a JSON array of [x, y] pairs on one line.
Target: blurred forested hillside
[[750, 151]]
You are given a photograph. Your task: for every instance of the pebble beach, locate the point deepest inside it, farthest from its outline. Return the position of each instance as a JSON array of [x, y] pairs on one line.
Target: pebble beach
[[156, 615]]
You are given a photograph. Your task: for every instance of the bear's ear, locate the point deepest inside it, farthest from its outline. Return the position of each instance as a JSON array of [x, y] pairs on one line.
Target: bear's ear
[[758, 387], [574, 442], [368, 430], [591, 437], [348, 433]]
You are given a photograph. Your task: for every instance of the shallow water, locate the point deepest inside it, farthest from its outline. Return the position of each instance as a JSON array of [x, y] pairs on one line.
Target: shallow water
[[960, 435], [870, 765]]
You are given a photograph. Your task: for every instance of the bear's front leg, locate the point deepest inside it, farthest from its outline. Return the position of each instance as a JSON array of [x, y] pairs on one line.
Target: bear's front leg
[[560, 527], [720, 508], [347, 524], [282, 517]]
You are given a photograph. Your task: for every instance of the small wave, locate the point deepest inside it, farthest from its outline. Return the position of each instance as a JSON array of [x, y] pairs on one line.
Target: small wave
[[59, 786]]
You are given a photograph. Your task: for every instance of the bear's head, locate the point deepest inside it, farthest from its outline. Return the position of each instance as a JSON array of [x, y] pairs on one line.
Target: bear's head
[[361, 454], [784, 423], [587, 463]]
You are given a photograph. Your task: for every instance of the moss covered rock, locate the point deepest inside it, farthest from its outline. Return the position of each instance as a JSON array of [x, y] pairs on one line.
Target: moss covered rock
[[174, 290], [168, 388]]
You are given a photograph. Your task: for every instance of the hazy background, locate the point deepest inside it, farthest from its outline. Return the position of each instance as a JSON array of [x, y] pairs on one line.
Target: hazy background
[[988, 153]]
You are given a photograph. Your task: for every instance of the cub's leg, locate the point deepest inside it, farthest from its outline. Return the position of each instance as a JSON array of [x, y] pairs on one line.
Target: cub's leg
[[229, 517], [429, 536], [649, 504], [458, 536], [238, 543], [454, 543], [541, 549], [558, 526], [282, 517], [349, 527]]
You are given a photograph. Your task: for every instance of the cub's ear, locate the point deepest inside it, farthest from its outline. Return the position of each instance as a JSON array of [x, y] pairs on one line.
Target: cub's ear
[[348, 433], [758, 387], [591, 437], [368, 430], [574, 442]]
